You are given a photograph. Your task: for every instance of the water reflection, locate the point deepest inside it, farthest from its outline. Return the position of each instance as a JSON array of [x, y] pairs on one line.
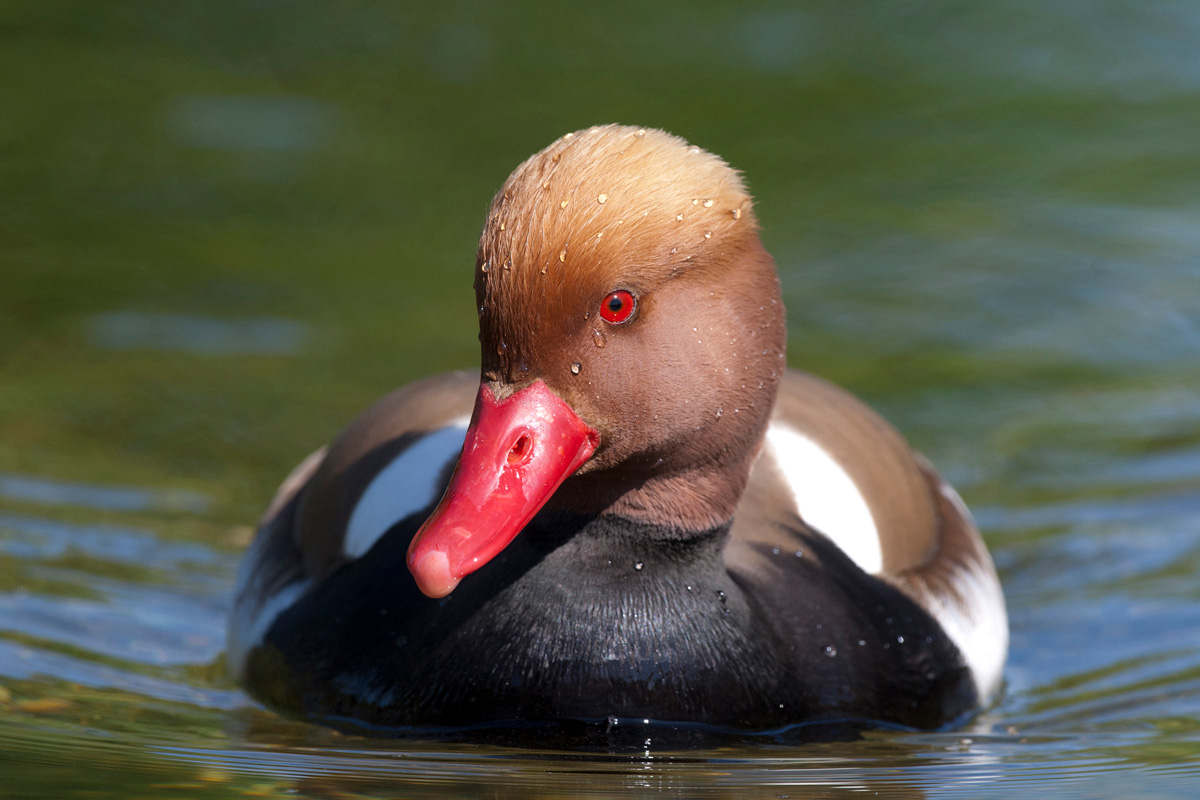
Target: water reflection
[[984, 216], [29, 489], [227, 122], [189, 333]]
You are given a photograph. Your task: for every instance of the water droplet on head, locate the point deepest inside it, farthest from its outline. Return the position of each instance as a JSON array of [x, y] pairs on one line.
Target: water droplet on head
[[708, 234], [708, 203], [575, 368], [508, 263], [899, 640], [599, 338], [638, 566], [563, 204], [736, 213], [799, 554], [774, 551], [602, 199], [679, 217], [500, 348], [562, 257], [830, 650], [485, 266], [501, 226]]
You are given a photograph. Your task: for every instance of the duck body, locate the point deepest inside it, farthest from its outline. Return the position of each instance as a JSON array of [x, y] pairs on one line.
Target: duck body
[[688, 532]]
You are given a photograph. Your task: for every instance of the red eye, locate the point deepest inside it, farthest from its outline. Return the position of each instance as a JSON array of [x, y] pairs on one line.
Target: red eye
[[618, 307]]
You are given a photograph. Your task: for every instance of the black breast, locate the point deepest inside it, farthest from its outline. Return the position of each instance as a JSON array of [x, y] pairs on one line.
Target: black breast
[[588, 619]]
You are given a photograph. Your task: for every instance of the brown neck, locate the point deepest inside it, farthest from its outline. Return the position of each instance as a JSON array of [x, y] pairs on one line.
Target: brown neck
[[697, 499]]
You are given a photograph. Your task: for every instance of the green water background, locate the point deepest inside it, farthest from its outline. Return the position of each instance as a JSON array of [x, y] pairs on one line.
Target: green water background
[[225, 228]]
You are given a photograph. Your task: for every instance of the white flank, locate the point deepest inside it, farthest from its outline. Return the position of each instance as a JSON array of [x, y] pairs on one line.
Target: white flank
[[826, 498], [978, 625], [253, 613], [250, 624], [406, 485]]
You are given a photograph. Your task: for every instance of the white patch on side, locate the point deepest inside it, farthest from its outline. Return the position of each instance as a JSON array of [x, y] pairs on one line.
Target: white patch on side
[[978, 625], [825, 496], [406, 485], [253, 613], [251, 622]]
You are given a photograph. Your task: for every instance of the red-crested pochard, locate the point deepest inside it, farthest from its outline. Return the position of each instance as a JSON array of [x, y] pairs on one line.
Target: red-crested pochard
[[636, 512]]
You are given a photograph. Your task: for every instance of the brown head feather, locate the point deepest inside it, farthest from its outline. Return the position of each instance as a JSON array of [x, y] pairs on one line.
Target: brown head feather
[[607, 201], [618, 207]]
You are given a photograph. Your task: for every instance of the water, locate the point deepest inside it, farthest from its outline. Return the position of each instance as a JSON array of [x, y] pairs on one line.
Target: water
[[226, 228]]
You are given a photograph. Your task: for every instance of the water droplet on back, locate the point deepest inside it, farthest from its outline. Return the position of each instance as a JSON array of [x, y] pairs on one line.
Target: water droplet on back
[[830, 650], [575, 368]]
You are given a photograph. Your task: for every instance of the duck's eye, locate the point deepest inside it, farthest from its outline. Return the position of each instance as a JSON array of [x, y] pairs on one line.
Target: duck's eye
[[618, 307]]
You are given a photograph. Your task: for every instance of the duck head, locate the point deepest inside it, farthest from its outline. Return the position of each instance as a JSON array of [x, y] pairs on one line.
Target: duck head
[[632, 338]]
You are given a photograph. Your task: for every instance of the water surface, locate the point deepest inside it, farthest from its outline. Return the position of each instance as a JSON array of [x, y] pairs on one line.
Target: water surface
[[225, 228]]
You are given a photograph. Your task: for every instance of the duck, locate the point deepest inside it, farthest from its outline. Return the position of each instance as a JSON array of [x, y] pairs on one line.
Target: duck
[[633, 512]]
